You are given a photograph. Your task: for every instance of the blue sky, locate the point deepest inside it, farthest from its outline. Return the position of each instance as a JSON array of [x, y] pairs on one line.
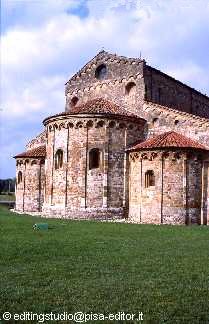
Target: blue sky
[[44, 42]]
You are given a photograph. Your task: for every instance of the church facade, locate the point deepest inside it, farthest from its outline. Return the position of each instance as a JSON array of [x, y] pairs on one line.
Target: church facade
[[132, 143]]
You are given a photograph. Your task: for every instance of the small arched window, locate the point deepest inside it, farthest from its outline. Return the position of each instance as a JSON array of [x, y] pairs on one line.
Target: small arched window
[[130, 88], [74, 101], [155, 122], [94, 158], [19, 177], [59, 159], [101, 72], [149, 178]]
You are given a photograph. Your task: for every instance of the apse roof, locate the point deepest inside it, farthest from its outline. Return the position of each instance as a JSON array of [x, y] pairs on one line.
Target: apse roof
[[96, 106], [39, 151], [168, 140]]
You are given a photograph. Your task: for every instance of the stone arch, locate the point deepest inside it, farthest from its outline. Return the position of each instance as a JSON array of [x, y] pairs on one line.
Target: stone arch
[[33, 162], [131, 126], [60, 126], [74, 101], [153, 156], [101, 71], [100, 123], [70, 125], [155, 121], [79, 124], [144, 156], [89, 123], [122, 125], [112, 124], [130, 88]]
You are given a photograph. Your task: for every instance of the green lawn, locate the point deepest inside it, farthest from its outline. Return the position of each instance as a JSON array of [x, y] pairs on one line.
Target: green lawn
[[86, 266], [7, 197]]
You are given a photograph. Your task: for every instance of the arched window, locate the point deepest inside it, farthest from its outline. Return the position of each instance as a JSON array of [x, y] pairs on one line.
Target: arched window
[[58, 159], [155, 121], [19, 177], [73, 101], [101, 72], [94, 158], [149, 178], [130, 88]]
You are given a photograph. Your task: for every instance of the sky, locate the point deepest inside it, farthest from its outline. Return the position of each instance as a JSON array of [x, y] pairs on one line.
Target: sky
[[44, 42]]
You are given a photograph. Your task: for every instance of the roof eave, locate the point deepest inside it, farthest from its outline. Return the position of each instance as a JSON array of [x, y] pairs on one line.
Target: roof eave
[[93, 114], [166, 148]]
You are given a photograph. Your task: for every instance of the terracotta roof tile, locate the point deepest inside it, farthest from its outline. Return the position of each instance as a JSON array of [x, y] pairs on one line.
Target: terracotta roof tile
[[39, 151], [168, 140], [100, 106], [96, 106]]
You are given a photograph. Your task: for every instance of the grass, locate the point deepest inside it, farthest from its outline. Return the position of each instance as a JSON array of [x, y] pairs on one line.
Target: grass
[[4, 197], [86, 266]]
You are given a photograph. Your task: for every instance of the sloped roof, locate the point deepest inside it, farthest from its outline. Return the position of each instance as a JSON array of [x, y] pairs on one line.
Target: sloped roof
[[168, 140], [98, 105], [39, 151]]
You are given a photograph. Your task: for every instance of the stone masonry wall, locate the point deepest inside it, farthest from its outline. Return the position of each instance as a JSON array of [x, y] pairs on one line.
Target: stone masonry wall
[[173, 190], [95, 138], [144, 203], [167, 91], [19, 189], [59, 176], [176, 197], [120, 72], [75, 189], [30, 191], [161, 119], [150, 84], [181, 191], [194, 190]]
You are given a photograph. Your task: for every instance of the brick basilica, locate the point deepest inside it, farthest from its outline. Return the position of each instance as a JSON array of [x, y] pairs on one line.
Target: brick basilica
[[132, 143]]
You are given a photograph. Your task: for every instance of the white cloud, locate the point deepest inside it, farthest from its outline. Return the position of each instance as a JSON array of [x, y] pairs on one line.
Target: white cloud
[[30, 13], [191, 71], [44, 95], [44, 45]]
